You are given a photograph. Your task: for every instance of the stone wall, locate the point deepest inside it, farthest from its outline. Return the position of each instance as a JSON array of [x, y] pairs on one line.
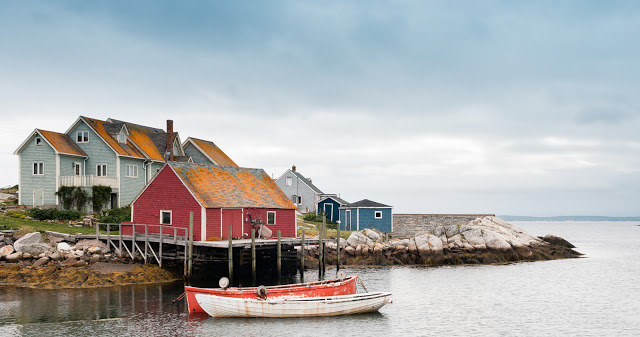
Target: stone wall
[[408, 225]]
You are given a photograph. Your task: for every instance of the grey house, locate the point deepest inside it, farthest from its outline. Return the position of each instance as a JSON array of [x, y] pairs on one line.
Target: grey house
[[122, 155], [300, 190]]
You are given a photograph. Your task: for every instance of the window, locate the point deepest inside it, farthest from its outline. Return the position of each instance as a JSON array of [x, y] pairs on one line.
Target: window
[[271, 218], [289, 181], [132, 171], [122, 138], [38, 168], [82, 136], [76, 169], [378, 215], [299, 200], [38, 141], [101, 170], [165, 217]]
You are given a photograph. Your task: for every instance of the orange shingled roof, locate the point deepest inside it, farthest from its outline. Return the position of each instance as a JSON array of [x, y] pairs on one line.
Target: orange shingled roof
[[127, 150], [217, 186], [144, 142], [213, 151], [62, 143]]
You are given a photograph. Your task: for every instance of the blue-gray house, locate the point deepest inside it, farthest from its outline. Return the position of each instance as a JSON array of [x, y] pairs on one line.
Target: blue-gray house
[[366, 214], [330, 206]]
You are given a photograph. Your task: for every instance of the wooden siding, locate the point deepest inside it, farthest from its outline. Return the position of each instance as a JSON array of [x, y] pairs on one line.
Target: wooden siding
[[44, 185], [167, 192], [130, 187], [196, 155], [336, 213], [97, 150], [298, 188]]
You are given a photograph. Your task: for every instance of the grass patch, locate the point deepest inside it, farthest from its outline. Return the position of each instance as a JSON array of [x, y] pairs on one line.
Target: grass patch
[[27, 226], [312, 229]]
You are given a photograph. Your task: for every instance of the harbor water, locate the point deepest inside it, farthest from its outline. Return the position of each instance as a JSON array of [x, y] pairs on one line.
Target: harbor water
[[598, 295]]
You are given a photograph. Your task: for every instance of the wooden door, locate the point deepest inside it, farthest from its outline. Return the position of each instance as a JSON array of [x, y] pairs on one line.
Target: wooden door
[[232, 217]]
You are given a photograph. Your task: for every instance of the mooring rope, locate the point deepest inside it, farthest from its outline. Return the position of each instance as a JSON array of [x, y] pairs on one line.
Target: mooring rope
[[362, 284], [179, 297]]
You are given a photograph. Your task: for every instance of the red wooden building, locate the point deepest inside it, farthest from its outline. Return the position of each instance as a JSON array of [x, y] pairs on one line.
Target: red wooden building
[[218, 196]]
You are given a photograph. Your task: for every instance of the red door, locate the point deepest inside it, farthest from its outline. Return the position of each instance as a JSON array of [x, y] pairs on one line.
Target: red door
[[232, 217]]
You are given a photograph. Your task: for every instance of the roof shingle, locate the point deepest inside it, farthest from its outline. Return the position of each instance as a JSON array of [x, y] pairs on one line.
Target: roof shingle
[[213, 151], [234, 187], [62, 143]]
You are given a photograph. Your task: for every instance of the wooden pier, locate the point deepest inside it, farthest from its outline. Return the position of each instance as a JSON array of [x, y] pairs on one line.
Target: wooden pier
[[237, 259]]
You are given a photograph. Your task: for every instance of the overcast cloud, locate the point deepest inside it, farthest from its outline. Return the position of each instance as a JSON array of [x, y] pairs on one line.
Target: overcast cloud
[[507, 107]]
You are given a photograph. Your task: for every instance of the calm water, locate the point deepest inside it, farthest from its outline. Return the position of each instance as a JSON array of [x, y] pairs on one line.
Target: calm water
[[594, 296]]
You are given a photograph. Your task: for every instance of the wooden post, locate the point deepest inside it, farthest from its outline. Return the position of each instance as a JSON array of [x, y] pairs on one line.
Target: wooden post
[[302, 258], [190, 262], [230, 254], [146, 242], [253, 255], [108, 238], [120, 240], [279, 258], [160, 248], [133, 240], [320, 247], [338, 247], [97, 231]]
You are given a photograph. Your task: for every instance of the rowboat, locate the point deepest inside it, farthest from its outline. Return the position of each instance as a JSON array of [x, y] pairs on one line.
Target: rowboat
[[333, 287], [217, 306]]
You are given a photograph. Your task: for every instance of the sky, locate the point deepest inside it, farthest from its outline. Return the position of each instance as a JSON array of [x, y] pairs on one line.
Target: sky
[[505, 107]]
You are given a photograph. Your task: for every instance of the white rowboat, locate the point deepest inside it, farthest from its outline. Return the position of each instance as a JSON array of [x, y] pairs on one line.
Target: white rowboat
[[218, 306]]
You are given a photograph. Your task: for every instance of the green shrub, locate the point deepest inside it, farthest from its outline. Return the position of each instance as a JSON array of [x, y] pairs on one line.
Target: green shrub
[[16, 214], [116, 215], [100, 196], [312, 217], [53, 214], [72, 197]]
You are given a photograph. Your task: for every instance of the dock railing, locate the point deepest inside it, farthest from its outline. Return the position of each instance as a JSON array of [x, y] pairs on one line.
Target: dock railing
[[151, 233]]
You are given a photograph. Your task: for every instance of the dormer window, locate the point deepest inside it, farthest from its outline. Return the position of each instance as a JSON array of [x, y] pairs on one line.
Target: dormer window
[[122, 138], [38, 141], [82, 137]]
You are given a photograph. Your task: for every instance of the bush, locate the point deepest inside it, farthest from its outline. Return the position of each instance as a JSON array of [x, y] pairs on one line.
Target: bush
[[53, 214], [312, 217], [116, 215], [16, 214], [100, 196], [72, 197]]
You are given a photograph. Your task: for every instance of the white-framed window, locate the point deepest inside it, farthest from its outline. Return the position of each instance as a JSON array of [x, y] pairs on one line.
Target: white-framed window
[[77, 169], [101, 170], [122, 138], [38, 141], [165, 217], [38, 168], [377, 214], [132, 171], [271, 218], [82, 137], [289, 181]]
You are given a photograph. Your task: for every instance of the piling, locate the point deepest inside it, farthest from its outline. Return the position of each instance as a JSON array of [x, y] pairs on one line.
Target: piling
[[160, 248], [146, 243], [320, 250], [190, 265], [279, 258], [253, 255], [230, 254], [108, 237], [302, 258], [338, 247]]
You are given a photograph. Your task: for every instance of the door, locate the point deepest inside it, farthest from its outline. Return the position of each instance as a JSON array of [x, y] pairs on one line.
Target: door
[[232, 217], [347, 220], [328, 211], [114, 200]]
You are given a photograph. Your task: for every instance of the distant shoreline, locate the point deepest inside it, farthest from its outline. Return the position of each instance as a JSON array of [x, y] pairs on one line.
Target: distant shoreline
[[568, 218]]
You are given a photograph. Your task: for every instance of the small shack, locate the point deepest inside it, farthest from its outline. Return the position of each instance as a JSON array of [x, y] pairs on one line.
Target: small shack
[[366, 214], [330, 206], [219, 197]]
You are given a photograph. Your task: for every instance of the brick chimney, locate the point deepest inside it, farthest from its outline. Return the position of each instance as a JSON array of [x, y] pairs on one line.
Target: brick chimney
[[170, 139], [293, 168]]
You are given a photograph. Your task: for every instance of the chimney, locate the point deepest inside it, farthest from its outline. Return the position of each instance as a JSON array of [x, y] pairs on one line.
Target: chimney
[[170, 139], [293, 168]]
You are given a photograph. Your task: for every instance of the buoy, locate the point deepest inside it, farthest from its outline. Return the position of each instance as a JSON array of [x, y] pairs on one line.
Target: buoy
[[261, 291], [223, 283]]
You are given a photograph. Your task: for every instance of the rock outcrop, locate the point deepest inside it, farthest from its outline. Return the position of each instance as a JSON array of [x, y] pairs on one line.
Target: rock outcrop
[[482, 240]]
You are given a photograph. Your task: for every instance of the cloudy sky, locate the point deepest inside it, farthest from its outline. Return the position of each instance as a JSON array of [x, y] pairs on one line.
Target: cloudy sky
[[508, 107]]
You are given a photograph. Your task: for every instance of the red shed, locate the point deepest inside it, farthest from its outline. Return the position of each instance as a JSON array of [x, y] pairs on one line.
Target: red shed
[[218, 196]]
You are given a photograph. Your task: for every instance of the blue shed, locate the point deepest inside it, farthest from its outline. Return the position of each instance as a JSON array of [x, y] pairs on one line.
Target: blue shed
[[366, 214], [330, 206]]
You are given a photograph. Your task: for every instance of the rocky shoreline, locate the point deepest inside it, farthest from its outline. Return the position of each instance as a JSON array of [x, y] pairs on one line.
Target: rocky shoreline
[[30, 261], [487, 240]]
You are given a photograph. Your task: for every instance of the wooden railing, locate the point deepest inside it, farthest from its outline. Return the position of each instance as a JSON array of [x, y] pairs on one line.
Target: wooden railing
[[87, 181]]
